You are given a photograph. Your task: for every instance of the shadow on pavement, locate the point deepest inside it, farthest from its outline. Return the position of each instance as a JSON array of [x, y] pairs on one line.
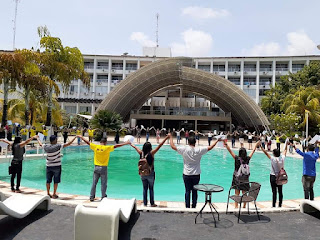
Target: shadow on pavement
[[10, 226], [223, 223], [253, 219], [126, 228]]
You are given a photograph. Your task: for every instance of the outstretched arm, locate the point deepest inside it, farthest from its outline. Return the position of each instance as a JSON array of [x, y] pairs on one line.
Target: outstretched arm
[[266, 153], [153, 152], [83, 139], [122, 144], [285, 149], [171, 142], [69, 143], [22, 144], [136, 148], [213, 145], [229, 150], [5, 141], [255, 147]]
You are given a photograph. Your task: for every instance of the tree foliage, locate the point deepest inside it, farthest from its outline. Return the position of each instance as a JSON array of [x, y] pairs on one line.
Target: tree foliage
[[106, 120], [287, 124]]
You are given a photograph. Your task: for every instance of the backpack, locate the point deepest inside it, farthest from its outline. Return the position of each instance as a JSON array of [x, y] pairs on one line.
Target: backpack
[[143, 166], [282, 177], [243, 173]]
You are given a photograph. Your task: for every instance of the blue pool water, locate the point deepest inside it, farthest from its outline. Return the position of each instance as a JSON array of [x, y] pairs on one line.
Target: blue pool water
[[124, 182]]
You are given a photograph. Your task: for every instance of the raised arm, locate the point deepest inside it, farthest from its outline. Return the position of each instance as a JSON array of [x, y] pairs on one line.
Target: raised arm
[[229, 150], [254, 149], [122, 144], [266, 153], [69, 143], [5, 141], [22, 144], [171, 142], [83, 139], [213, 145], [285, 149], [298, 151], [40, 143], [136, 148], [153, 152]]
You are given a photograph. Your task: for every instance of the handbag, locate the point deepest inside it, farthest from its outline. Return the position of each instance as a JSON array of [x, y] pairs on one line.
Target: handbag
[[282, 177]]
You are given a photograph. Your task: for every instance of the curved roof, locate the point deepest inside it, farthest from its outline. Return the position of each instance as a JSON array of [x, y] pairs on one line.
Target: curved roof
[[137, 88]]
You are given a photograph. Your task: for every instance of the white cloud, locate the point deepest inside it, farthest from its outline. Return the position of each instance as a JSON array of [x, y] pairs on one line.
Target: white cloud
[[204, 13], [195, 44], [142, 39], [299, 43]]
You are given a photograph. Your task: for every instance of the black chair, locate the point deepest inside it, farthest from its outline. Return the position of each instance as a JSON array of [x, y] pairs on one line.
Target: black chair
[[249, 196]]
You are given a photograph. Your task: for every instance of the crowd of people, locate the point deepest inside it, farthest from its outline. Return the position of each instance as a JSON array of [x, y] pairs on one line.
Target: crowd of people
[[191, 155]]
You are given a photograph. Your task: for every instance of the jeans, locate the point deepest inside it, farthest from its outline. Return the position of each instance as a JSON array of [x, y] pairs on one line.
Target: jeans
[[233, 142], [189, 182], [209, 140], [278, 146], [147, 137], [178, 139], [16, 169], [274, 188], [79, 139], [99, 171], [148, 183], [263, 145], [307, 182]]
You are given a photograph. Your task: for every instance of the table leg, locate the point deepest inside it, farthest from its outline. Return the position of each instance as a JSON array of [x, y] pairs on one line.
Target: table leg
[[195, 220], [216, 211], [215, 222]]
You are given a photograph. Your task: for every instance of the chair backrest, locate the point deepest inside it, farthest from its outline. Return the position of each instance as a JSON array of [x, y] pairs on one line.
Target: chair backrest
[[254, 189]]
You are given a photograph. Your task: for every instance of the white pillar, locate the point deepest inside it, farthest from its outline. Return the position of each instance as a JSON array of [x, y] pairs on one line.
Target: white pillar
[[226, 69], [77, 108], [109, 75], [273, 73], [197, 63], [211, 66], [308, 61], [290, 65], [138, 64], [258, 81], [92, 109], [124, 69], [95, 63], [241, 72], [180, 98], [79, 88]]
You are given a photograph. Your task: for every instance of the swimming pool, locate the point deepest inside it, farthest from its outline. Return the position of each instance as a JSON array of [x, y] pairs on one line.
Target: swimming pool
[[124, 182]]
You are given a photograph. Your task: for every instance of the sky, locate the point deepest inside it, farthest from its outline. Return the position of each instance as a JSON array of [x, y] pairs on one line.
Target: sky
[[206, 28]]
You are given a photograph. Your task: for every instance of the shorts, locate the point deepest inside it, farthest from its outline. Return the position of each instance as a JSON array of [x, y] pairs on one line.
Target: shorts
[[241, 140], [249, 140], [307, 182], [55, 173]]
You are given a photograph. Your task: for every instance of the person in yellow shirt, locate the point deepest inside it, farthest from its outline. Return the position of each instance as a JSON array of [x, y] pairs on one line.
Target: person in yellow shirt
[[78, 132], [32, 131], [90, 133], [24, 132], [45, 133], [101, 160]]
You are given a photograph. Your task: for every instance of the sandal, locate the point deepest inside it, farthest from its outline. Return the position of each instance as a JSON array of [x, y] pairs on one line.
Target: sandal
[[50, 195], [55, 196], [18, 191]]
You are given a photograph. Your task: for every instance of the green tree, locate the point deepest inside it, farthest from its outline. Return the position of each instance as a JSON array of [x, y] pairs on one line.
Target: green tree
[[287, 124], [11, 65], [60, 64], [106, 120], [273, 100], [304, 101]]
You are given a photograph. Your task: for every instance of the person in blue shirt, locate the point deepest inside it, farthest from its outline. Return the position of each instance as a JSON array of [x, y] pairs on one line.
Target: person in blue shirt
[[309, 169]]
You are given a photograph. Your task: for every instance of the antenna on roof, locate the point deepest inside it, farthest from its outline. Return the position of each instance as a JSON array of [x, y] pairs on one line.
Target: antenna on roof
[[157, 30], [15, 23]]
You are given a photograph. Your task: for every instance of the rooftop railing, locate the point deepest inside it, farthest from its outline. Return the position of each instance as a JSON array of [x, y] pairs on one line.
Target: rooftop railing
[[182, 113]]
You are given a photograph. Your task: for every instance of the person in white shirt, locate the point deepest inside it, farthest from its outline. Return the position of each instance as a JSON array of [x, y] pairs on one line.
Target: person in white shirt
[[277, 162], [210, 135], [191, 166]]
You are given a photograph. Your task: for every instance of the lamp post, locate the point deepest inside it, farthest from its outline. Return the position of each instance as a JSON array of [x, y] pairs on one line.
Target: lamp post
[[307, 124]]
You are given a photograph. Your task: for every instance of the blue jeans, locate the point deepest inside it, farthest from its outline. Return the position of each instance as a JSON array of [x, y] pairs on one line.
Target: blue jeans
[[79, 141], [147, 137], [189, 182], [148, 183], [99, 171]]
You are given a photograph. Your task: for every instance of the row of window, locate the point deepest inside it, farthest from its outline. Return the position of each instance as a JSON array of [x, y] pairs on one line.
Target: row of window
[[114, 66]]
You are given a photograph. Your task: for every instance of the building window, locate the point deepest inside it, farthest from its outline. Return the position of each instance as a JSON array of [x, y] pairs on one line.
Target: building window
[[103, 65], [131, 66], [249, 81], [262, 92], [282, 67], [265, 67], [101, 91], [250, 67], [102, 78], [204, 67], [297, 67], [117, 66], [91, 77], [71, 109], [265, 81], [116, 79], [234, 80], [86, 109], [219, 68], [234, 68], [88, 65], [250, 92]]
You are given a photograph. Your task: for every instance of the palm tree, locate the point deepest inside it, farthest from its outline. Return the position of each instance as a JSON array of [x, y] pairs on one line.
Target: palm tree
[[304, 101], [106, 120]]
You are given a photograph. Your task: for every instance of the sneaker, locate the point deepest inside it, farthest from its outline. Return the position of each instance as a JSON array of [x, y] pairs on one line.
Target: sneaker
[[91, 199], [154, 205], [13, 190]]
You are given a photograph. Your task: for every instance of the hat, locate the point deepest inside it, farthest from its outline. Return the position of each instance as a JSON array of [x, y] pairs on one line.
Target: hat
[[53, 138]]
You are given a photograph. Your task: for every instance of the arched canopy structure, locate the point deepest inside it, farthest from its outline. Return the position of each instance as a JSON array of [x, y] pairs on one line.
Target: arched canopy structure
[[137, 88]]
